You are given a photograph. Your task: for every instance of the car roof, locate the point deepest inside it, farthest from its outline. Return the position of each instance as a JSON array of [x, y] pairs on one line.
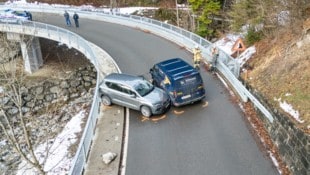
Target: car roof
[[176, 68], [122, 78]]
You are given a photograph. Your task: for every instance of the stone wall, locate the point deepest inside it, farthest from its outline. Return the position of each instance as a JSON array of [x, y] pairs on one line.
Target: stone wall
[[292, 142], [69, 95], [45, 93]]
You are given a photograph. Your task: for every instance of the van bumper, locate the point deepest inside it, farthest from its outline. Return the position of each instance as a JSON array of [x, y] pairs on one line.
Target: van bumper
[[191, 101]]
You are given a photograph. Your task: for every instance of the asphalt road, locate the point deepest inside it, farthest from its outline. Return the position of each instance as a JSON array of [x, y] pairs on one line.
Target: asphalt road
[[191, 140]]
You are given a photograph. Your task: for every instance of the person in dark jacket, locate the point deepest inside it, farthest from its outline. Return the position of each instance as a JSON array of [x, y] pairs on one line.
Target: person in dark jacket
[[67, 18], [29, 15], [76, 19]]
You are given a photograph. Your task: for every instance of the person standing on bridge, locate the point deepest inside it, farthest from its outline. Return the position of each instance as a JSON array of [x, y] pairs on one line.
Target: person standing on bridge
[[67, 18], [29, 15], [215, 55], [76, 19]]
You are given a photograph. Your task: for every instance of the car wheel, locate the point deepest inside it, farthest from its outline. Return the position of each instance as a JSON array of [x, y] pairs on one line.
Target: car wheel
[[146, 111], [154, 82], [106, 100]]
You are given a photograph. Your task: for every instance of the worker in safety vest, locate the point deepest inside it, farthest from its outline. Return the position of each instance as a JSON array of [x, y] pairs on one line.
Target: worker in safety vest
[[197, 56]]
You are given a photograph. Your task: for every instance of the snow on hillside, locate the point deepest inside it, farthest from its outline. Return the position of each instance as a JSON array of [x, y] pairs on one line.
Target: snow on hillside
[[56, 161]]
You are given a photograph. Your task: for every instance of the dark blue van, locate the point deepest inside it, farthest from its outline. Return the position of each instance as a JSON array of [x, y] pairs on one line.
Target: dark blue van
[[180, 80]]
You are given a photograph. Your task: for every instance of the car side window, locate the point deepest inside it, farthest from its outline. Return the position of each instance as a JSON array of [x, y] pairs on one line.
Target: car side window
[[127, 91], [159, 73], [114, 86], [109, 84]]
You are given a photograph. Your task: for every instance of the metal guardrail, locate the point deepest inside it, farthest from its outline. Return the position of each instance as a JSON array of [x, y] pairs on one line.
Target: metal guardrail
[[227, 65]]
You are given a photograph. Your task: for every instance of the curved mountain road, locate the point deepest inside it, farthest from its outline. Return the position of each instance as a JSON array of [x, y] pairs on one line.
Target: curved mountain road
[[190, 140]]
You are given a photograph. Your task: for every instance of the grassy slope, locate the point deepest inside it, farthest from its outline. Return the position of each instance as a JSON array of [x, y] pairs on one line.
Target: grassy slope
[[281, 71]]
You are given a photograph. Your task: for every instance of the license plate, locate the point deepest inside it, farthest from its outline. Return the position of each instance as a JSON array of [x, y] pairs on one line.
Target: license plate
[[186, 96]]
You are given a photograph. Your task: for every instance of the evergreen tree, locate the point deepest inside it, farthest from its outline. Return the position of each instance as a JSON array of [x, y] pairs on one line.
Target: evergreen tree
[[267, 16], [204, 10]]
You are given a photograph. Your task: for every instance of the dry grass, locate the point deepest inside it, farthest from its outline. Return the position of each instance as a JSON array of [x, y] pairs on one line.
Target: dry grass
[[59, 62], [281, 71]]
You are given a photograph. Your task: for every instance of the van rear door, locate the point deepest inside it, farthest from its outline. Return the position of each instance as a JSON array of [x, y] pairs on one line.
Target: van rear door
[[189, 89]]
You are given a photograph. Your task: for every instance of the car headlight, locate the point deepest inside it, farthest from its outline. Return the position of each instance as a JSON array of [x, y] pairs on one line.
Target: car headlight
[[158, 105]]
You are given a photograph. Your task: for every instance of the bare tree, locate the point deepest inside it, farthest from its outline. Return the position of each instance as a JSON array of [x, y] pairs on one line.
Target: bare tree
[[13, 118], [28, 123]]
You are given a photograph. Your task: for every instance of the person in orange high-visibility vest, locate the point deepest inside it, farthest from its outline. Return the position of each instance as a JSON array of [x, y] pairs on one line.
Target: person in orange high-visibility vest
[[197, 56]]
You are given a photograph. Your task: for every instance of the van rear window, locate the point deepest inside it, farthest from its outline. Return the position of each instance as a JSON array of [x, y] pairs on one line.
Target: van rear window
[[189, 80]]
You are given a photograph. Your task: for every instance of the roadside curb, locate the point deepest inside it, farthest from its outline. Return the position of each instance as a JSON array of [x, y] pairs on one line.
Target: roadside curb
[[107, 138], [108, 133]]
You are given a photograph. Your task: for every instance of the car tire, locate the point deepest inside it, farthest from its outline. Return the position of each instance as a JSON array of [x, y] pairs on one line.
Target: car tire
[[153, 82], [106, 100], [146, 111]]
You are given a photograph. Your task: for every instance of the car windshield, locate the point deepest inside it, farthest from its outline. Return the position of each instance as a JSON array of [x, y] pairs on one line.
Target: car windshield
[[143, 87]]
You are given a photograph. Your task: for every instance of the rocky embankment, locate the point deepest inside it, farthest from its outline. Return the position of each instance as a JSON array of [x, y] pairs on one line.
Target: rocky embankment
[[47, 107]]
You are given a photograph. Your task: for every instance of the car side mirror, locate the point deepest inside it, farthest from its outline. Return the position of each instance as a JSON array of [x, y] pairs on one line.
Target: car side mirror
[[132, 95]]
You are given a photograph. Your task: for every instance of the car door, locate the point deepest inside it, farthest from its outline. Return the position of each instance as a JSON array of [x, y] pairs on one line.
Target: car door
[[157, 76], [130, 98], [122, 95]]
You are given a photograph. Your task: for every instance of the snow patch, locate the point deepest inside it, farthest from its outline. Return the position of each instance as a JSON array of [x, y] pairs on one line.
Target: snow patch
[[289, 109], [17, 2], [288, 94], [227, 43], [275, 162], [56, 160], [3, 142]]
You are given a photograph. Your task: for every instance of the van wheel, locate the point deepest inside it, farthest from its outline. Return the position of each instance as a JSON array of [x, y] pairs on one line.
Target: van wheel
[[106, 100], [146, 111]]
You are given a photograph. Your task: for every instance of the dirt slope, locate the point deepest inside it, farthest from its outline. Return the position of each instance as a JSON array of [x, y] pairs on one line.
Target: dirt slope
[[280, 71]]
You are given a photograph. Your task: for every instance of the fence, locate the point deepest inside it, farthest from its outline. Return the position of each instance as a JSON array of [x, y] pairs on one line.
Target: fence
[[228, 67]]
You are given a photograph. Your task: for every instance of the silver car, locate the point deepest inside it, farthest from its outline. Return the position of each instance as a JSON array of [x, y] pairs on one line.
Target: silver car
[[133, 92]]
